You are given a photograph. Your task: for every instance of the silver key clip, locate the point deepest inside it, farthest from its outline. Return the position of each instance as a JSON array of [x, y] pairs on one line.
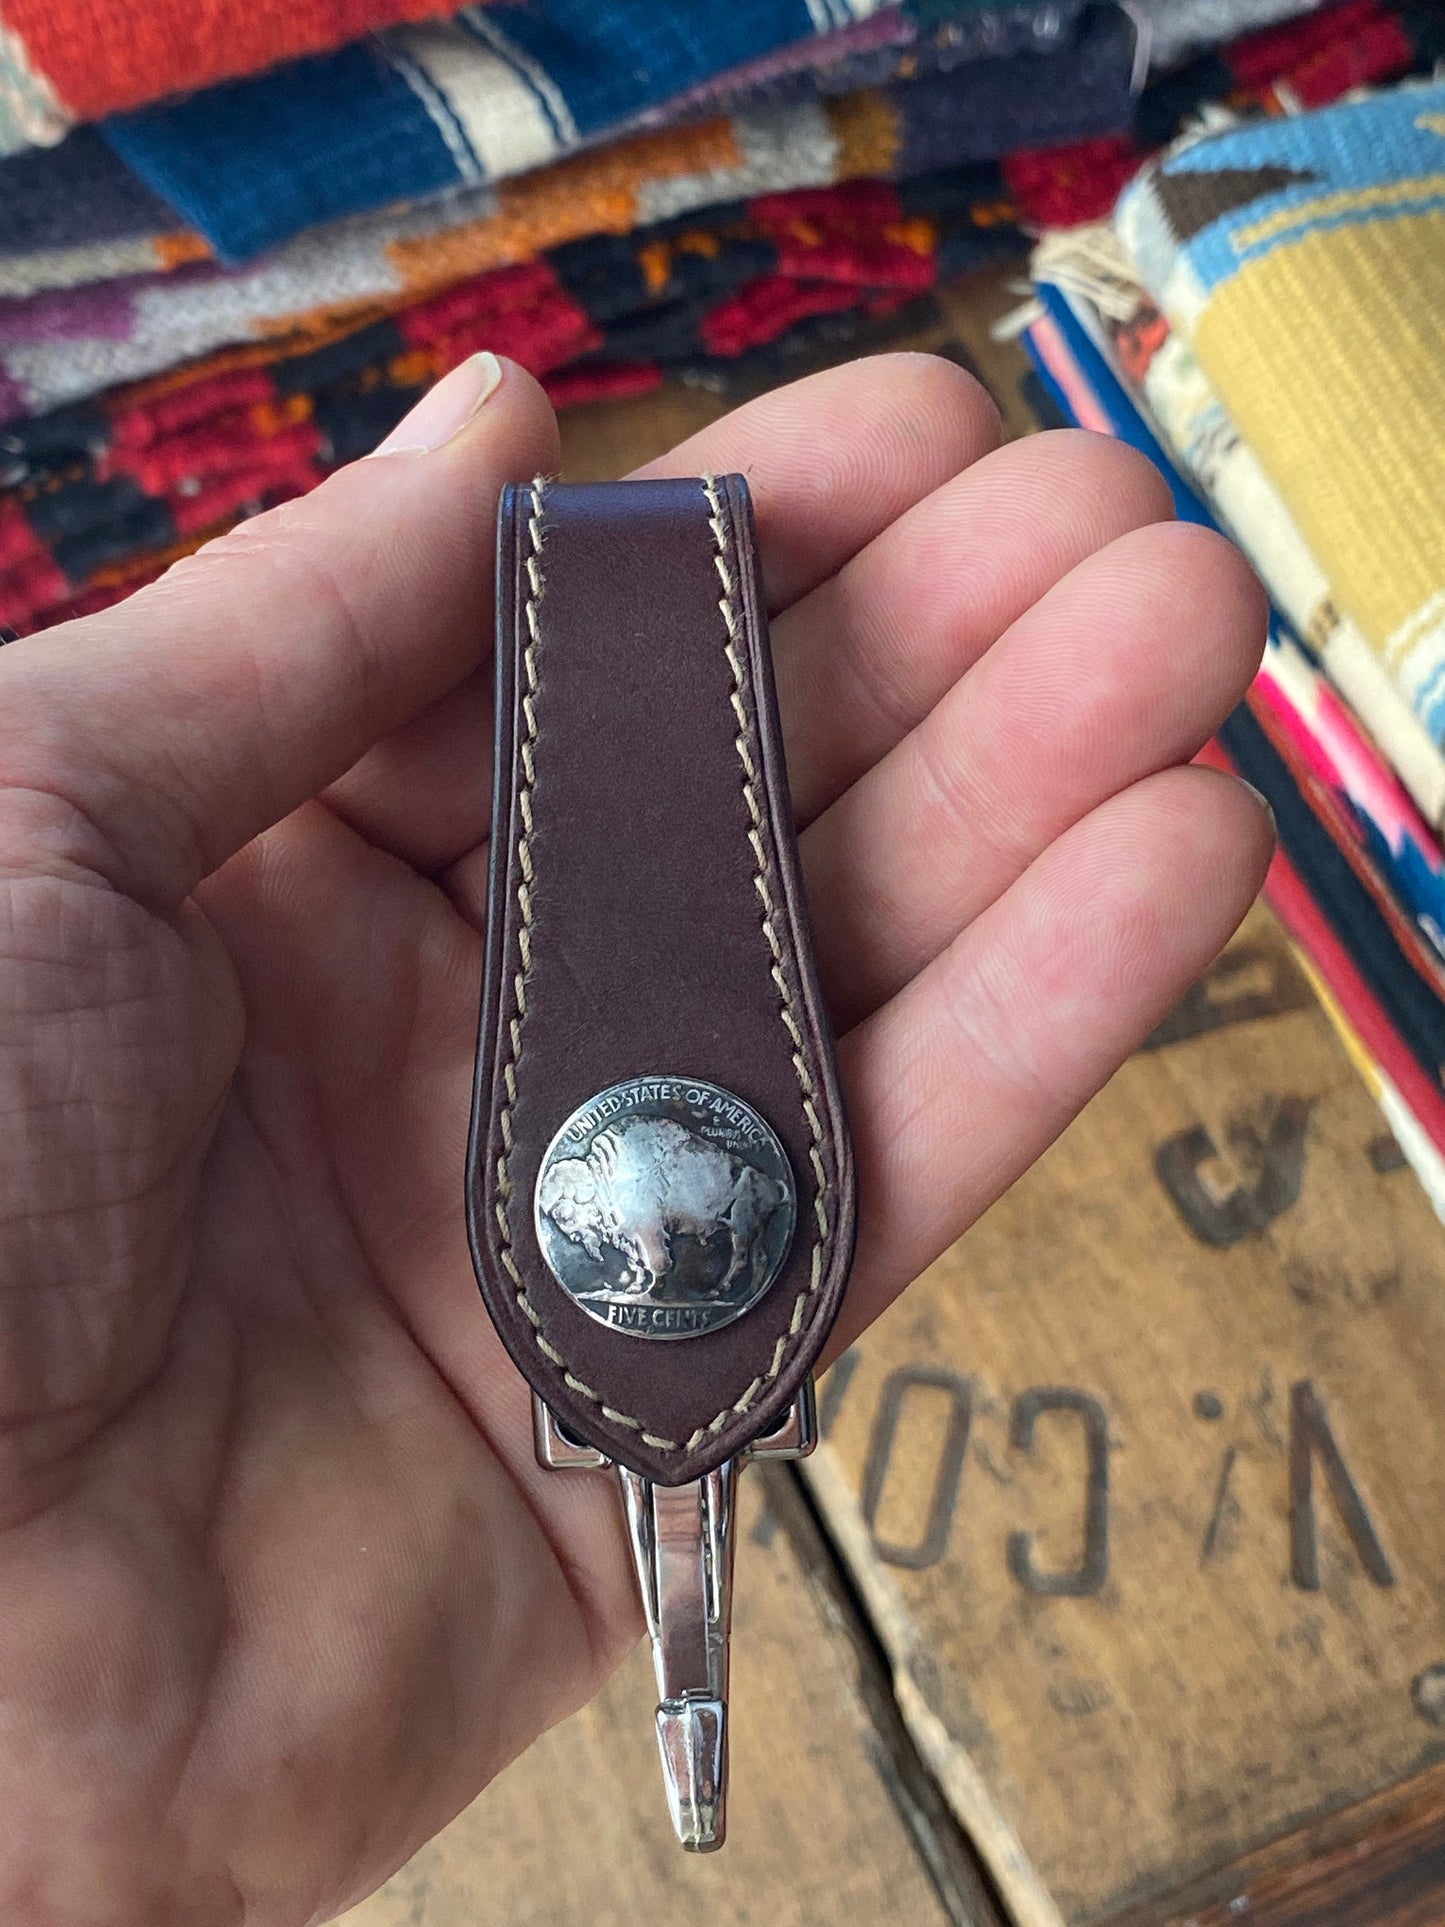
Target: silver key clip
[[682, 1547]]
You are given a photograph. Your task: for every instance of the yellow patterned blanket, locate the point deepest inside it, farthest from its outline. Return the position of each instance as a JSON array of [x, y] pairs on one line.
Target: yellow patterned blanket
[[1304, 261]]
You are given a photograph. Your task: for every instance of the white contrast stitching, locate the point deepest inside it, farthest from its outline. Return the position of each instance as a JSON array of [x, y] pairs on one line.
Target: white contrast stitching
[[536, 588], [762, 880]]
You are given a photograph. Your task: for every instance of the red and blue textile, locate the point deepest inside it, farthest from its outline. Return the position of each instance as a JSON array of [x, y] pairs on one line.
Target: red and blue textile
[[501, 90], [99, 498]]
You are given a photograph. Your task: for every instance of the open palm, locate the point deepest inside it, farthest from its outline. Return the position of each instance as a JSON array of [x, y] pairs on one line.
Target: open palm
[[280, 1586]]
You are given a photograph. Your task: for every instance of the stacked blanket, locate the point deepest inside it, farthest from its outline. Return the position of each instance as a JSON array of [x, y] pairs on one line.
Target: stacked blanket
[[128, 253], [208, 299], [500, 91], [1266, 317], [57, 347], [103, 495], [64, 61]]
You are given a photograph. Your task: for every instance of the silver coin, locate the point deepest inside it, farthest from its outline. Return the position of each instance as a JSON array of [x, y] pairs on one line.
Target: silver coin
[[665, 1206]]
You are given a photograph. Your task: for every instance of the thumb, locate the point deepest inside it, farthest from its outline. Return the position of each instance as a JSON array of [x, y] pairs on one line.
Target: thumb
[[149, 743]]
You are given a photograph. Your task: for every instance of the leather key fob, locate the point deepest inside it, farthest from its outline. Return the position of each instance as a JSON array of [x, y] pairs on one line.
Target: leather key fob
[[652, 1037], [660, 1180]]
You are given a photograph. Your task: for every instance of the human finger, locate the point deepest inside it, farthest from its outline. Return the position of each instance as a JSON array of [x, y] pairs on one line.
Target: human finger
[[1125, 667], [868, 653], [150, 742], [965, 1077], [831, 460]]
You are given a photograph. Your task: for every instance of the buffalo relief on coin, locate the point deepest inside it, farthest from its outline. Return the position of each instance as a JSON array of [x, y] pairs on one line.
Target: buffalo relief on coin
[[665, 1207]]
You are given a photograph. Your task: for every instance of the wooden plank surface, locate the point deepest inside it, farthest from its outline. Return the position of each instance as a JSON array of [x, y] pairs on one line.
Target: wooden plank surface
[[1379, 1864], [1144, 1482], [577, 1831]]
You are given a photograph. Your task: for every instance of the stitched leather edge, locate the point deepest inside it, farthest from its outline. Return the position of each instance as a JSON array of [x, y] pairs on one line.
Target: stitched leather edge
[[764, 882], [531, 651]]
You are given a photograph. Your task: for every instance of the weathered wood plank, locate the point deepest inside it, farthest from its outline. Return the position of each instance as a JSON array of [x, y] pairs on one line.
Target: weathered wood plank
[[1144, 1482], [1381, 1864]]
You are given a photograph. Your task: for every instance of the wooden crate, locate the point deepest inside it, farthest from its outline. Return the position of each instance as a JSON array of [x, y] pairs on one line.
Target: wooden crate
[[1144, 1482]]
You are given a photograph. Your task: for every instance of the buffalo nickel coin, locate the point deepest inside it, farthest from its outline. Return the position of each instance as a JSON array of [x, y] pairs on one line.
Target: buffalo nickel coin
[[665, 1206]]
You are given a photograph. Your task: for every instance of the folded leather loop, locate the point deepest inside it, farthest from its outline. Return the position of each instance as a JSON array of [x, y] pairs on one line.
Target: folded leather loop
[[647, 921]]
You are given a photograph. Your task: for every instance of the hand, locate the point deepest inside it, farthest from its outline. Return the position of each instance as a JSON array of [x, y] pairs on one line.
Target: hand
[[280, 1585]]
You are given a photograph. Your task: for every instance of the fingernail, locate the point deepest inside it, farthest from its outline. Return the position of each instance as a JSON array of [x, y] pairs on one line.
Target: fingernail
[[445, 409], [1260, 797]]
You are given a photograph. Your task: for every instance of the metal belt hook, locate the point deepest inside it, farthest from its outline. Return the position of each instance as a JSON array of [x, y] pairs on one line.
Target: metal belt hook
[[682, 1546]]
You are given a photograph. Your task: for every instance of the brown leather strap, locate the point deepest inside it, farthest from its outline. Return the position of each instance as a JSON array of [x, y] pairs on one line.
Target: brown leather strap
[[647, 922]]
